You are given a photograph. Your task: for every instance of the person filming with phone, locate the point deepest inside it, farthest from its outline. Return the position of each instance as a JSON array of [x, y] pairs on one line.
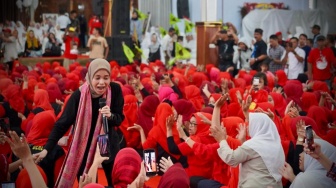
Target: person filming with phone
[[83, 110], [294, 59]]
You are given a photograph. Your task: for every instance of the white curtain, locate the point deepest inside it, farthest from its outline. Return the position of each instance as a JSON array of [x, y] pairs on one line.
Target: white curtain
[[272, 21]]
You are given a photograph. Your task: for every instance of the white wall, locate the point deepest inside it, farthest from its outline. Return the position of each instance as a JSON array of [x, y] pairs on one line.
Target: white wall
[[328, 7]]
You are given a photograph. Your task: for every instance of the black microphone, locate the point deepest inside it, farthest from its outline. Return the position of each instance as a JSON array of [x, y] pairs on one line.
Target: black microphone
[[102, 103]]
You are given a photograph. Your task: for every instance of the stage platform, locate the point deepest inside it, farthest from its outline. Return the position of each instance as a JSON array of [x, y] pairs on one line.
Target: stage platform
[[31, 61]]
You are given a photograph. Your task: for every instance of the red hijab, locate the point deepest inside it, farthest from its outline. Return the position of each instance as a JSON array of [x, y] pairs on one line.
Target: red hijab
[[41, 99], [308, 100], [23, 179], [14, 97], [126, 167], [320, 86], [240, 83], [159, 130], [202, 132], [42, 126], [280, 103], [146, 112], [294, 91], [198, 78], [4, 83], [232, 124], [185, 108], [321, 117], [282, 77], [54, 92], [132, 137], [193, 94], [233, 96], [175, 176]]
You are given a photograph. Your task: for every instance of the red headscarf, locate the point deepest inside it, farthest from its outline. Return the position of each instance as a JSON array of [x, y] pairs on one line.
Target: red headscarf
[[198, 78], [232, 124], [159, 129], [175, 176], [193, 94], [93, 185], [240, 83], [320, 86], [42, 126], [308, 100], [202, 132], [23, 180], [282, 77], [320, 115], [146, 112], [13, 95], [41, 99], [185, 108], [132, 137], [280, 103], [233, 96], [54, 92], [4, 83], [294, 91], [223, 76], [126, 167]]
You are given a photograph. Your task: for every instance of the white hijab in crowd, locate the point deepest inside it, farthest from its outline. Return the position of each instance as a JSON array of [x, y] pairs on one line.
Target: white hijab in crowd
[[314, 174], [265, 140]]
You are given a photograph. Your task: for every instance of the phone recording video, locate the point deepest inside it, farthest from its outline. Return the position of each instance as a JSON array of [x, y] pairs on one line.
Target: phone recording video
[[255, 83], [150, 162], [104, 145], [310, 137]]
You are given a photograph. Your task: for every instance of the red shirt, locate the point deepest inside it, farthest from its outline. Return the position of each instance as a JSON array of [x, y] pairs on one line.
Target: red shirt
[[68, 46], [93, 23], [321, 61]]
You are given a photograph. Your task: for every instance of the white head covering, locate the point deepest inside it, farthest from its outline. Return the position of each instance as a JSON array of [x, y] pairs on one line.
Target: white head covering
[[245, 41], [314, 174], [265, 140]]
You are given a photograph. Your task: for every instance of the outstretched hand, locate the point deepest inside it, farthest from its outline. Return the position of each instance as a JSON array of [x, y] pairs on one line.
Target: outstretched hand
[[19, 145], [165, 164], [135, 127], [220, 102]]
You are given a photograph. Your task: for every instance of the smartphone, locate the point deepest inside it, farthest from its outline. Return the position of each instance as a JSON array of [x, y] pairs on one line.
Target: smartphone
[[310, 137], [150, 162], [8, 185], [104, 145], [255, 83]]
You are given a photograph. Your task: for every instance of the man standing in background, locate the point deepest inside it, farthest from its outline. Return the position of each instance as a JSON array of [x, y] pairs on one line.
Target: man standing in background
[[303, 45], [165, 42], [259, 53], [294, 58], [275, 53], [98, 45]]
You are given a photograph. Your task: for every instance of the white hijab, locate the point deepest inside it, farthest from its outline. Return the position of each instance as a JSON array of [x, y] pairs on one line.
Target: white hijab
[[314, 174], [265, 140]]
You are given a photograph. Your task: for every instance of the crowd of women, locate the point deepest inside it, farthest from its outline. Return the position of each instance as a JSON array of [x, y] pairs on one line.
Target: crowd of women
[[208, 129]]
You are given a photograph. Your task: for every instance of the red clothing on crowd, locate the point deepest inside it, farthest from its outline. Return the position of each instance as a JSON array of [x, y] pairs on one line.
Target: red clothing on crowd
[[68, 46], [321, 61], [280, 103], [94, 23], [42, 126], [197, 165], [174, 177], [193, 94], [126, 167], [132, 137], [322, 117], [308, 100], [157, 135], [146, 112], [185, 108]]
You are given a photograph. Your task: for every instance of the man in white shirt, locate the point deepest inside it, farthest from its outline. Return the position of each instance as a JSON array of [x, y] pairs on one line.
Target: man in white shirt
[[63, 21], [98, 45], [165, 42], [294, 57], [11, 52]]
